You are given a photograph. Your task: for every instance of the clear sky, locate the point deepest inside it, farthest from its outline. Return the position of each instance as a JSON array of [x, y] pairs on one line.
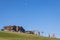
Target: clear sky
[[42, 15]]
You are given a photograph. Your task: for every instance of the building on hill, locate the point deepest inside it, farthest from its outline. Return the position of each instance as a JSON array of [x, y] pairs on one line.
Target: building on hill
[[37, 33], [33, 32], [52, 35], [14, 28]]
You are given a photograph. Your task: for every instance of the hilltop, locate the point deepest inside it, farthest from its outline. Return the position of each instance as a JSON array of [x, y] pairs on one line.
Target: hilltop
[[21, 36]]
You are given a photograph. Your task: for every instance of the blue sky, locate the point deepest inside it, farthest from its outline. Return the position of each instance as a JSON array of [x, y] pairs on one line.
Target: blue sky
[[42, 15]]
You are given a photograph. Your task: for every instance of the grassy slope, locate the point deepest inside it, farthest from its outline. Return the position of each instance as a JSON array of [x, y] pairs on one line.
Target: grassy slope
[[21, 36]]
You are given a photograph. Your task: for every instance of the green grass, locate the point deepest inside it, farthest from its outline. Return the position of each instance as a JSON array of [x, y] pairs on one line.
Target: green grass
[[21, 36]]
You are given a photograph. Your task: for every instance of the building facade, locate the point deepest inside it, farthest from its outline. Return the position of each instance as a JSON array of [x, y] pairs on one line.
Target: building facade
[[33, 32], [52, 35], [14, 28]]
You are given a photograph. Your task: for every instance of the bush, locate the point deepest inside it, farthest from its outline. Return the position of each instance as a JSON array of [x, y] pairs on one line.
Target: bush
[[2, 29]]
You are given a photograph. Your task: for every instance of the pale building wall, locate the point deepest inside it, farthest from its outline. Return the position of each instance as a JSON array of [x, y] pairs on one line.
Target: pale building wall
[[52, 35]]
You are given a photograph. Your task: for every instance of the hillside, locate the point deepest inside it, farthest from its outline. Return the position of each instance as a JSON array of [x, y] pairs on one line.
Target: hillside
[[21, 36]]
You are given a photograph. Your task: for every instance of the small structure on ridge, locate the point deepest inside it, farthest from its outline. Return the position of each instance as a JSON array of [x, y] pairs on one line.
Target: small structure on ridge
[[14, 28]]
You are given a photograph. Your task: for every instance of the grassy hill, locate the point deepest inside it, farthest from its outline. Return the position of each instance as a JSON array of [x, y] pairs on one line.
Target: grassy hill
[[21, 36]]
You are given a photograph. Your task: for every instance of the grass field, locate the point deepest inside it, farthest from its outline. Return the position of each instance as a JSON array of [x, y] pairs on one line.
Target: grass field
[[21, 36]]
